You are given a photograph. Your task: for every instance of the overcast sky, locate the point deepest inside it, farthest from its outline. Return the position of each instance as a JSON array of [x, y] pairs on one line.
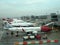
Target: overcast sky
[[11, 8]]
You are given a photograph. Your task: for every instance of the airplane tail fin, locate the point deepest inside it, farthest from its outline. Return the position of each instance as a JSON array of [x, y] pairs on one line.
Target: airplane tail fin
[[51, 23]]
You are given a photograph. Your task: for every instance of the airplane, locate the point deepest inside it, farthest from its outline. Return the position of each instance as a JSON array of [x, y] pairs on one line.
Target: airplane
[[20, 23], [16, 23], [44, 28]]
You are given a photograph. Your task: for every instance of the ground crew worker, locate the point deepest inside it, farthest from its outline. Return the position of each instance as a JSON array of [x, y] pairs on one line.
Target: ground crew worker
[[17, 34], [12, 33], [38, 36], [45, 36], [7, 33]]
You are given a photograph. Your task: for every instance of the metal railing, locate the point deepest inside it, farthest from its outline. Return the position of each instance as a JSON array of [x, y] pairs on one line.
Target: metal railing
[[36, 42]]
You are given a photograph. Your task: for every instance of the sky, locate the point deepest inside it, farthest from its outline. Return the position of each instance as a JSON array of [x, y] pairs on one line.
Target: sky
[[13, 8]]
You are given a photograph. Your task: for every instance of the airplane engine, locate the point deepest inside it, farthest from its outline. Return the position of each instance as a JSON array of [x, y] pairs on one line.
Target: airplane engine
[[45, 29], [3, 19]]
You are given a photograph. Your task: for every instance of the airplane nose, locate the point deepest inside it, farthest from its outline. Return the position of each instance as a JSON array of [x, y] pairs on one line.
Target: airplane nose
[[45, 29]]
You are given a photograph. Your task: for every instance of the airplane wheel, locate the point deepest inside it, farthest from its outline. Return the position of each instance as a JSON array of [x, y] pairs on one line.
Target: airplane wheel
[[24, 39], [16, 35]]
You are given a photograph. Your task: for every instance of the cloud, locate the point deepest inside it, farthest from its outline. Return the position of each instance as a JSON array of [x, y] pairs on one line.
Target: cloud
[[25, 7], [35, 1]]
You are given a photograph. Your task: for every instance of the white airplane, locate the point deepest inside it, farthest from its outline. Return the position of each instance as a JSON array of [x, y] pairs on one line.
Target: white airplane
[[20, 23], [16, 23], [44, 28]]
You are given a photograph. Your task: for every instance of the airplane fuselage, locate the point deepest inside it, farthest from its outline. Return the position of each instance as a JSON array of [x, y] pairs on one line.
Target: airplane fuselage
[[26, 29]]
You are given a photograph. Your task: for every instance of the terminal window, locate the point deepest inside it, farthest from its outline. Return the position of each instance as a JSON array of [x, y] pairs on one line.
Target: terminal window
[[55, 16]]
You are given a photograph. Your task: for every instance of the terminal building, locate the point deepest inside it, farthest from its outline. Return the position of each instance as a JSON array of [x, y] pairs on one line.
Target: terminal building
[[53, 17]]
